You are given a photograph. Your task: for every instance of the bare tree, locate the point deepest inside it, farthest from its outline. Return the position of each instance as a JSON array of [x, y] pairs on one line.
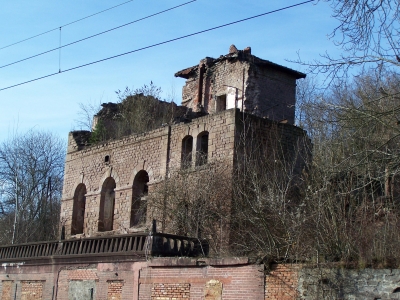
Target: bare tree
[[352, 188], [343, 207], [195, 203], [368, 35], [85, 115], [31, 172]]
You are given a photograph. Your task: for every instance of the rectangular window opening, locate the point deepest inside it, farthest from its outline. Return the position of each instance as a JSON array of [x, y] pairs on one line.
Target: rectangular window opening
[[221, 103]]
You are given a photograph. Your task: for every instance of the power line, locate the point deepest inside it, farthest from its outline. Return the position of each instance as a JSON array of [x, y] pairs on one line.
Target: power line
[[158, 44], [97, 34], [48, 31]]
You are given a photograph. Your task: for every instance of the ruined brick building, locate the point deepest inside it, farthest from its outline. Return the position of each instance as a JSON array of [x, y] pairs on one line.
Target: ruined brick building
[[109, 241], [104, 183]]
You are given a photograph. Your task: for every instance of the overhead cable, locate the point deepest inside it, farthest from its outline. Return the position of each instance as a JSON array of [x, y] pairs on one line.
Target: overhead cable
[[158, 44], [97, 34], [48, 31]]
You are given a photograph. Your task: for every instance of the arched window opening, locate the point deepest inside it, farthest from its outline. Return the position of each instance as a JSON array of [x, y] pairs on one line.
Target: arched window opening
[[187, 148], [140, 191], [107, 201], [202, 149], [78, 210]]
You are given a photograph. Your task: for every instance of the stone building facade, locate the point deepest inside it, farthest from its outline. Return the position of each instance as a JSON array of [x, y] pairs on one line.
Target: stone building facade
[[106, 184]]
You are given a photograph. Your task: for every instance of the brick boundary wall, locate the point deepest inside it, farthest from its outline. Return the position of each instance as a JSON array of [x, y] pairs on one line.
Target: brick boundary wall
[[201, 278], [282, 283], [169, 291], [237, 278]]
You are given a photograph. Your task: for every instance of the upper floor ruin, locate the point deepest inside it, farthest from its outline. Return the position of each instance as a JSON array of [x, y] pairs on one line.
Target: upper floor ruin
[[241, 80]]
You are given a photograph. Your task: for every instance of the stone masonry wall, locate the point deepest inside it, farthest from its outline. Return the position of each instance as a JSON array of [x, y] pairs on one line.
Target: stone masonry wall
[[271, 140], [160, 151], [287, 282], [221, 130], [155, 152], [127, 157], [270, 93], [225, 77], [339, 283]]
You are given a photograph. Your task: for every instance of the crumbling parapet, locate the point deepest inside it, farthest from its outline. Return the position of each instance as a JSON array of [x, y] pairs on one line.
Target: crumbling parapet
[[77, 140]]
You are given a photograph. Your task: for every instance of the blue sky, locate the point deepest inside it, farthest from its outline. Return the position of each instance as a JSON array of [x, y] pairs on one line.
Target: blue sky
[[52, 103]]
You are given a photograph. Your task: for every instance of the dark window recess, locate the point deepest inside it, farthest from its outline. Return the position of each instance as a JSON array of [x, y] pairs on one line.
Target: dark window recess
[[221, 103], [78, 209], [187, 148], [202, 149], [107, 159], [107, 201], [140, 190]]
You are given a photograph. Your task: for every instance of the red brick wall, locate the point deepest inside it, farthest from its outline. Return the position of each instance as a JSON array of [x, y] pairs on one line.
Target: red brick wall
[[238, 281], [281, 283], [115, 290], [6, 289], [231, 278], [169, 291], [113, 280], [32, 290]]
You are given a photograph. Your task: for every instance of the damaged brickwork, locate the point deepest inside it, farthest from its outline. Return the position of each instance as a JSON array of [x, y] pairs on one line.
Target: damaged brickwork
[[282, 283]]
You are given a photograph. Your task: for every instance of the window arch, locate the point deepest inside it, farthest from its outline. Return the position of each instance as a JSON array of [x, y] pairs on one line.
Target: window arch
[[78, 209], [107, 201], [202, 148], [187, 148], [140, 191]]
